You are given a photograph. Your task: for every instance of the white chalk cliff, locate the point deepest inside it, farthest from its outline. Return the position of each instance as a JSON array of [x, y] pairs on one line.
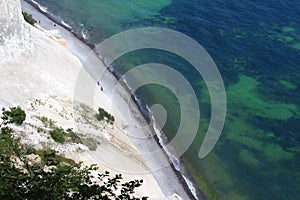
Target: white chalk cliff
[[15, 37]]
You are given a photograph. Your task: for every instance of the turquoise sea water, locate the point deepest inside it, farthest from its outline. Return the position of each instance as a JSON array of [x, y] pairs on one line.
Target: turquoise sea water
[[256, 46]]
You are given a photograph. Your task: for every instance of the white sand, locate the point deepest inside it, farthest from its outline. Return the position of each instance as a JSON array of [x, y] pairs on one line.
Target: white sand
[[50, 75]]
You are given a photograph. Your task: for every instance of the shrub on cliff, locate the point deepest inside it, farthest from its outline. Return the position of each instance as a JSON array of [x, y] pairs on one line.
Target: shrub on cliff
[[28, 18], [104, 115], [47, 122], [13, 115], [58, 135]]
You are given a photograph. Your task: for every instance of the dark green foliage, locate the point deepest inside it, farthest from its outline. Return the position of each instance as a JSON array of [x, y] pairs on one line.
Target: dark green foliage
[[13, 115], [58, 135], [48, 122], [61, 136], [28, 18], [44, 120], [20, 178], [49, 157], [104, 115], [72, 136]]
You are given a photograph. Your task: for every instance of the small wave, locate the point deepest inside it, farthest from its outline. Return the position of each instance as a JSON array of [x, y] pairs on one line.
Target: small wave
[[137, 99], [172, 156], [125, 81], [65, 24], [100, 57], [162, 139], [83, 34], [110, 68], [42, 8], [105, 63], [191, 186]]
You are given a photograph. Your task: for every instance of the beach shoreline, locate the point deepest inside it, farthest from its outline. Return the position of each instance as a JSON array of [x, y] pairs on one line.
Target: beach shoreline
[[79, 46]]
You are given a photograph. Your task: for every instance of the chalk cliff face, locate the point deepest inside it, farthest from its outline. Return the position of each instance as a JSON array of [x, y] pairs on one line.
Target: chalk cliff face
[[15, 36]]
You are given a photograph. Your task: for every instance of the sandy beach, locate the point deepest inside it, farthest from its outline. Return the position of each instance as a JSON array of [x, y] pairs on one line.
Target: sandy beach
[[58, 75]]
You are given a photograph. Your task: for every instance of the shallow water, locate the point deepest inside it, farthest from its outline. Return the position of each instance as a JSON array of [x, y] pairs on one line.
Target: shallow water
[[256, 46]]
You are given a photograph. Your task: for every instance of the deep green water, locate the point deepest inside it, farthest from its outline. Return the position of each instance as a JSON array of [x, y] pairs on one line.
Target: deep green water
[[256, 46]]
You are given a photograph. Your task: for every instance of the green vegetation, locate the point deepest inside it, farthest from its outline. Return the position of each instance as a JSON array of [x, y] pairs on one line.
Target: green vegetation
[[104, 115], [297, 45], [48, 122], [247, 158], [244, 95], [286, 34], [72, 136], [53, 177], [58, 135], [28, 18], [49, 157], [14, 115], [287, 84]]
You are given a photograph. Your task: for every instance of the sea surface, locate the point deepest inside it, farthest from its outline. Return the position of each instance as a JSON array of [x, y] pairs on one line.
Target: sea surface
[[256, 46]]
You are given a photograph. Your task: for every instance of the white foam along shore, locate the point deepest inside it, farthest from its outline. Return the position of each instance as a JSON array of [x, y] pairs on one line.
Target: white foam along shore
[[166, 177]]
